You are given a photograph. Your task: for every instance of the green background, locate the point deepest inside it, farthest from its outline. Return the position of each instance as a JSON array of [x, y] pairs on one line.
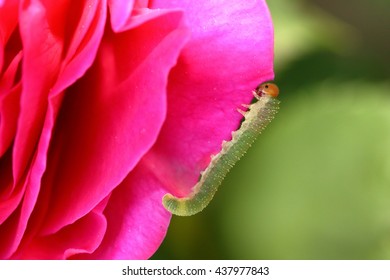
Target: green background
[[316, 184]]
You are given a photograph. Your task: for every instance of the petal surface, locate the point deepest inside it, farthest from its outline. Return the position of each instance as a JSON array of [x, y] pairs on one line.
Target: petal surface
[[111, 117], [45, 61], [230, 52], [137, 223]]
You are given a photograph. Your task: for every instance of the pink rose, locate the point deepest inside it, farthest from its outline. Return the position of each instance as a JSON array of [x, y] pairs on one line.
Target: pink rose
[[105, 107]]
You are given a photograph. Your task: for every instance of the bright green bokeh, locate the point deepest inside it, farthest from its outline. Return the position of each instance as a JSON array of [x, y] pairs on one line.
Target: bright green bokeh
[[316, 184]]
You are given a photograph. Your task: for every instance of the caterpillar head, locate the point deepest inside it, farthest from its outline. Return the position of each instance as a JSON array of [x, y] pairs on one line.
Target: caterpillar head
[[267, 89]]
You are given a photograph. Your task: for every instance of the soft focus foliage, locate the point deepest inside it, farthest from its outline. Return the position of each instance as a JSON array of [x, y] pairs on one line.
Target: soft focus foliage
[[316, 185]]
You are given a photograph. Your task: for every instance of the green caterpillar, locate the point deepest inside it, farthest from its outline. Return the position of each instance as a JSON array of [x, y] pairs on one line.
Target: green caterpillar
[[258, 116]]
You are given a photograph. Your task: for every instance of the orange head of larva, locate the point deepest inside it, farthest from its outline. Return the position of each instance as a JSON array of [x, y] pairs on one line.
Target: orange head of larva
[[269, 89]]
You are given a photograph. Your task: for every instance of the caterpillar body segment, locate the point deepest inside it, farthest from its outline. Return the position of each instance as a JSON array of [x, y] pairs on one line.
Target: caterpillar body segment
[[258, 116]]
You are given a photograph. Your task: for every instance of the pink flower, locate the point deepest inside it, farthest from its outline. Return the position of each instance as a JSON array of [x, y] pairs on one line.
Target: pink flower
[[107, 106]]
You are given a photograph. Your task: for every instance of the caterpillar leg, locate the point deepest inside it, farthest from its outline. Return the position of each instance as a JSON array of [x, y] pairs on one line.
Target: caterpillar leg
[[257, 118], [241, 112]]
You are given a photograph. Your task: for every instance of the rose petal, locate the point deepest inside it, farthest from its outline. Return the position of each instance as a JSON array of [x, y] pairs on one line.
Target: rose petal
[[81, 237], [84, 36], [10, 194], [111, 117], [43, 51], [137, 223], [10, 56], [120, 11], [13, 228], [37, 118], [9, 104], [8, 22], [122, 20], [8, 231], [231, 51]]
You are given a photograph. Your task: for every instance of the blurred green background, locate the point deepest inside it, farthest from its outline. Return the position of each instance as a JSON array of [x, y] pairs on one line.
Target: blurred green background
[[316, 184]]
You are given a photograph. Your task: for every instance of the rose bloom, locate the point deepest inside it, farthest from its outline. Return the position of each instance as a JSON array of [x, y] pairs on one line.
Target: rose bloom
[[105, 106]]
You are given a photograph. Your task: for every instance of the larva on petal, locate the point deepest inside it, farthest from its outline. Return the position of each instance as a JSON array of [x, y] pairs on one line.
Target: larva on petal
[[258, 116]]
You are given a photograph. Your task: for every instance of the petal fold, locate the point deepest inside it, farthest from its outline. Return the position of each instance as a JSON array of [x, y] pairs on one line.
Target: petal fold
[[111, 117], [230, 53]]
